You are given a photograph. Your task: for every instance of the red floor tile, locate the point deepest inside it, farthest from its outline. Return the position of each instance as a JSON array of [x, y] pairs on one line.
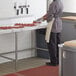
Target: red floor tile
[[38, 71], [41, 71]]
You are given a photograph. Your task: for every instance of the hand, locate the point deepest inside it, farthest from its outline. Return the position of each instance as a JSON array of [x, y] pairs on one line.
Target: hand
[[45, 17]]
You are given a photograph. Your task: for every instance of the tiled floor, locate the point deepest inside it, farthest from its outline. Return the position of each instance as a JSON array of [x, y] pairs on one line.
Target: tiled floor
[[23, 64]]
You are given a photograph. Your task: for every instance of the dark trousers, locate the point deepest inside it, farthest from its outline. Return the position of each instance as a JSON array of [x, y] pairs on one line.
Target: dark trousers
[[53, 47]]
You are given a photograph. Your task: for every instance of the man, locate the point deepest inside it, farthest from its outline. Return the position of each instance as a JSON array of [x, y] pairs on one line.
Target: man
[[55, 11]]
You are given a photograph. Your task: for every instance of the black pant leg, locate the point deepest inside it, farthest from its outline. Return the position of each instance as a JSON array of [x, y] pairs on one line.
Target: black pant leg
[[58, 42], [52, 47]]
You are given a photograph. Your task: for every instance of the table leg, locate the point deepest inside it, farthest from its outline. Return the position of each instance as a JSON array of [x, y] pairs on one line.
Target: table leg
[[16, 48]]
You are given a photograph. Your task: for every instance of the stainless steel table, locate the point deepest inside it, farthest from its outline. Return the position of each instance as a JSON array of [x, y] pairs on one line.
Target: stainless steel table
[[15, 31]]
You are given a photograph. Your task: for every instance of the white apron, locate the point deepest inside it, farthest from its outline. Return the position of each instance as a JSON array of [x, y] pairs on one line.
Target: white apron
[[48, 30]]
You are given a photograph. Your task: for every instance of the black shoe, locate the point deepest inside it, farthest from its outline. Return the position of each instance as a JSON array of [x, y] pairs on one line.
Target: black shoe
[[51, 64]]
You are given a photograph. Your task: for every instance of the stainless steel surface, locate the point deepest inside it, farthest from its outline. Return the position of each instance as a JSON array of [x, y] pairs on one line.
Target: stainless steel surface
[[60, 59], [67, 61], [42, 49]]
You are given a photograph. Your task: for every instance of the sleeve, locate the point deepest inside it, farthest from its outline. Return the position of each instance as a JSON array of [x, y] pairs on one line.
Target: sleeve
[[50, 12]]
